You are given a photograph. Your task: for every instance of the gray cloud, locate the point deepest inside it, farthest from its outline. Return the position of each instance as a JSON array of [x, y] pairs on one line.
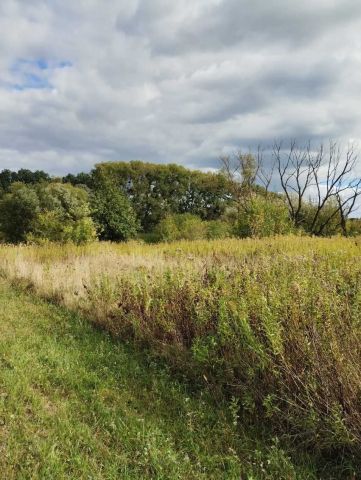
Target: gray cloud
[[220, 24], [172, 81]]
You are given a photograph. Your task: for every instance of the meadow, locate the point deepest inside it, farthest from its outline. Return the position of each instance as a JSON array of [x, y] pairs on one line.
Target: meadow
[[271, 326]]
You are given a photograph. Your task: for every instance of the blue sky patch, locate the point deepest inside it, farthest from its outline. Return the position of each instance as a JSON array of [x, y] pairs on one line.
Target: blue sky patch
[[31, 81], [42, 64], [34, 73]]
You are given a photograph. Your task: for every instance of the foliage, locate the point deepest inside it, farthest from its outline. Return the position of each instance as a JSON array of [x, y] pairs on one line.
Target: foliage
[[217, 229], [84, 179], [160, 190], [188, 227], [46, 212], [319, 185], [181, 227], [263, 216], [50, 226], [149, 200], [354, 227], [248, 171], [18, 209], [7, 177], [64, 215], [327, 221], [112, 212]]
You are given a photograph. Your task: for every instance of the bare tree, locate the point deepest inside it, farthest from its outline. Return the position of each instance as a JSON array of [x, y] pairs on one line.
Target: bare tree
[[321, 178], [295, 169], [230, 170], [329, 171], [241, 169], [264, 174]]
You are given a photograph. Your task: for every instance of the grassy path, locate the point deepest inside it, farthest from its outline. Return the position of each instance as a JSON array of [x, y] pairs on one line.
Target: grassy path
[[76, 405]]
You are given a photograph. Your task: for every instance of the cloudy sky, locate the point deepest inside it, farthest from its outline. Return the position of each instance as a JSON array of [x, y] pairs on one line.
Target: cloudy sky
[[173, 81]]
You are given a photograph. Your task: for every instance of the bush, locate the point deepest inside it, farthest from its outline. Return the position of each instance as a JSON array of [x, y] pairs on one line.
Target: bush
[[64, 215], [181, 227], [327, 221], [18, 208], [263, 217], [354, 227], [50, 226], [46, 212], [217, 229]]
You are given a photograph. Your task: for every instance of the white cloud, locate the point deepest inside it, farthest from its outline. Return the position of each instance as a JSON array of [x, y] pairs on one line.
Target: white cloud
[[173, 81]]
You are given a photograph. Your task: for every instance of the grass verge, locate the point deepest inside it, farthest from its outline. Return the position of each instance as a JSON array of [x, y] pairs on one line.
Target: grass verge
[[74, 404]]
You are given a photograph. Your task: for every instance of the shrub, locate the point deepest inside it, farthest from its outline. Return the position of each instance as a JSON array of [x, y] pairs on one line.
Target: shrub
[[46, 212], [354, 227], [217, 229], [263, 217], [64, 215], [181, 227], [50, 226], [328, 223], [18, 209]]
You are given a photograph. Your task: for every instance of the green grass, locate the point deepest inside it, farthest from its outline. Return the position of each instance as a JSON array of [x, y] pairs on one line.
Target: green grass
[[75, 404]]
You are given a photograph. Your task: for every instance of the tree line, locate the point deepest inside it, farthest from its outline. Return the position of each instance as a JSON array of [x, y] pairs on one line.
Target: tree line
[[287, 190]]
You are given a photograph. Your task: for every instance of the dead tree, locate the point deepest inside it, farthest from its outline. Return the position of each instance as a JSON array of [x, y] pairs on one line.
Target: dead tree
[[320, 180], [264, 174], [295, 170], [330, 172], [241, 169]]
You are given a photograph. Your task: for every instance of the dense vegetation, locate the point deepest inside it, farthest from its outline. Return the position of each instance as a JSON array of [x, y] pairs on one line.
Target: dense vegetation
[[272, 325], [46, 212], [118, 201]]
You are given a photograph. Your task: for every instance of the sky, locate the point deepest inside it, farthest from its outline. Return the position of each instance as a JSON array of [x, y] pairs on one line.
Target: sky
[[167, 81]]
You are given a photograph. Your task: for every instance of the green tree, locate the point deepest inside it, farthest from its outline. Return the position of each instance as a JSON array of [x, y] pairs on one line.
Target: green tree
[[156, 191], [27, 176], [328, 219], [64, 215], [7, 177], [248, 171], [18, 209], [50, 226], [46, 212], [79, 179], [112, 212]]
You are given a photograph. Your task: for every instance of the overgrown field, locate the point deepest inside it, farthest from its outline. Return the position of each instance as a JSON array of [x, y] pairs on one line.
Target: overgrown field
[[273, 324], [75, 405]]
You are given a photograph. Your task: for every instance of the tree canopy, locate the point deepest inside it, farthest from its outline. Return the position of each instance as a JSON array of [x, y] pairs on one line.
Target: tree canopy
[[7, 177], [158, 190], [112, 211], [46, 211]]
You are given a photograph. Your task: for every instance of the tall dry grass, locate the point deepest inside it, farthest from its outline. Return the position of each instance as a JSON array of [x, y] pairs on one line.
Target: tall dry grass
[[274, 322]]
